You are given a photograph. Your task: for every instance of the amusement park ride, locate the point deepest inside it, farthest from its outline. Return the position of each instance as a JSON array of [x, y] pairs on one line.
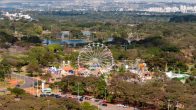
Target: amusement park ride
[[96, 59], [93, 59], [140, 68]]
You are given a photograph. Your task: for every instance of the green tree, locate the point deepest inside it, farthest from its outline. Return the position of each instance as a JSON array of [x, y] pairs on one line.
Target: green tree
[[38, 54], [17, 91], [77, 34], [100, 89], [88, 106], [55, 48], [33, 68], [78, 88], [4, 71], [38, 29], [31, 39]]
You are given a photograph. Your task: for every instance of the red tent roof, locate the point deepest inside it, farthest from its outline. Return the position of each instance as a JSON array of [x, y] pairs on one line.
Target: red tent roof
[[68, 68]]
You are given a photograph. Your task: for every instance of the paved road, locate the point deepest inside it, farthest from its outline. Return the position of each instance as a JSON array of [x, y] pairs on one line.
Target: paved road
[[28, 81], [108, 107]]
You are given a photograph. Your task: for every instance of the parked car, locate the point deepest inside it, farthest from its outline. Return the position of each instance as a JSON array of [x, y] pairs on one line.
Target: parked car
[[81, 98], [18, 85], [70, 97], [57, 96], [125, 106], [43, 95], [104, 104], [97, 100], [52, 95], [87, 98], [120, 105]]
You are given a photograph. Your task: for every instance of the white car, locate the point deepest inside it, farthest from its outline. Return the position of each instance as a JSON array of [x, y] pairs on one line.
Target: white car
[[120, 105], [125, 106]]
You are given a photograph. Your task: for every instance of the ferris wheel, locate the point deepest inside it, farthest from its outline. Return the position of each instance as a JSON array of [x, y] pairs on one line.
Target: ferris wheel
[[96, 56]]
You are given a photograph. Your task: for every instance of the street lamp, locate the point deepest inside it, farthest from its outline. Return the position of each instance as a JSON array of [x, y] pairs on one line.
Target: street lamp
[[177, 105], [78, 91], [37, 88], [48, 104], [168, 104], [105, 93], [33, 85], [56, 89]]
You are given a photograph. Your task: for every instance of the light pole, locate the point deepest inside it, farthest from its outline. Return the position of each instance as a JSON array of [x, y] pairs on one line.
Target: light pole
[[48, 104], [33, 88], [177, 105], [78, 91], [168, 104], [37, 87], [24, 78], [98, 107], [105, 93], [56, 87]]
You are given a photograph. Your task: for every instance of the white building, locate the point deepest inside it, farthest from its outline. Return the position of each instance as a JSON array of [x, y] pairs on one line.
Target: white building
[[86, 33], [65, 34], [181, 8], [16, 16]]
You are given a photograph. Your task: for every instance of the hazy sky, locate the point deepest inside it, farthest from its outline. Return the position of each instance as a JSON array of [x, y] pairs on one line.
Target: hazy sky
[[191, 1]]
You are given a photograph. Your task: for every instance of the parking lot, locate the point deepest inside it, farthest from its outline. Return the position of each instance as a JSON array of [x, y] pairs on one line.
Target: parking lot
[[97, 103]]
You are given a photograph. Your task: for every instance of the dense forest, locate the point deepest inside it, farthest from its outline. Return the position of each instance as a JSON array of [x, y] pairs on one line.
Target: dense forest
[[185, 18], [173, 42]]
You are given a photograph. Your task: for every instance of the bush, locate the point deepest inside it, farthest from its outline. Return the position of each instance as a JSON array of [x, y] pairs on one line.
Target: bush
[[17, 91], [170, 49], [31, 39], [88, 106]]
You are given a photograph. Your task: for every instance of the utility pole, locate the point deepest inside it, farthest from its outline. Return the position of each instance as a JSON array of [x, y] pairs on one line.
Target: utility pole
[[17, 79], [24, 78], [33, 87], [68, 84], [177, 105], [168, 105], [78, 91], [166, 67], [57, 88], [105, 93], [37, 87], [48, 104]]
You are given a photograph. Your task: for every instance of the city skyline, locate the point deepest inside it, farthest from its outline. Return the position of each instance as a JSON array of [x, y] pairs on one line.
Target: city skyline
[[186, 1], [101, 5]]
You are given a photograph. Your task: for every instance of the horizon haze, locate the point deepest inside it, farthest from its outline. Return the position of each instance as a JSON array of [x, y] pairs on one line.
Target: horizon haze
[[15, 1]]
